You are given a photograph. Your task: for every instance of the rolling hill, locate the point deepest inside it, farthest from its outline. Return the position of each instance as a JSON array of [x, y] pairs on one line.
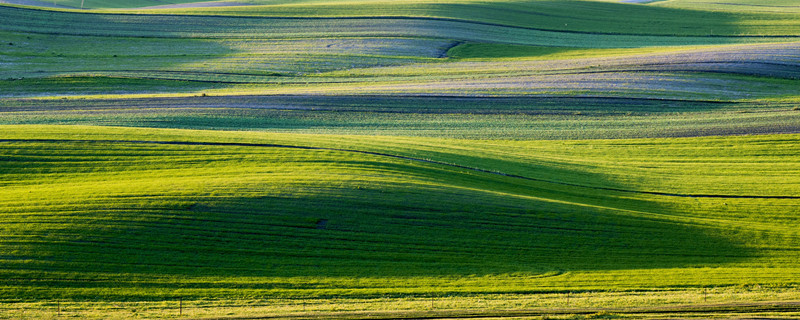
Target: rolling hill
[[146, 202], [441, 159]]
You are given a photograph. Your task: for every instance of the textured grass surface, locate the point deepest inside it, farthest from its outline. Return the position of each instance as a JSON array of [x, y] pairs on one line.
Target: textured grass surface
[[74, 54], [784, 7], [399, 165], [153, 220], [56, 53], [94, 4], [707, 303], [574, 16], [454, 117]]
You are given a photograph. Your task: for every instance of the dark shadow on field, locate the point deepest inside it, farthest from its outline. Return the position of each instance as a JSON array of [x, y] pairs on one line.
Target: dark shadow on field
[[67, 85], [436, 116], [385, 233], [411, 104], [377, 233], [584, 17], [470, 224], [424, 104], [150, 57], [626, 18], [431, 116], [57, 53]]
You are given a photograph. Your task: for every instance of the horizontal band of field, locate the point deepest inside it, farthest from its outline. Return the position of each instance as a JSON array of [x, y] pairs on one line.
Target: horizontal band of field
[[778, 308], [216, 27], [423, 104], [264, 145]]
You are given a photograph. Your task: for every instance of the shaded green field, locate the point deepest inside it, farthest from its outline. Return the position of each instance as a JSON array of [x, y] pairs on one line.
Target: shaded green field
[[94, 4], [436, 158], [94, 213], [576, 16], [452, 117], [750, 6], [288, 52], [88, 55]]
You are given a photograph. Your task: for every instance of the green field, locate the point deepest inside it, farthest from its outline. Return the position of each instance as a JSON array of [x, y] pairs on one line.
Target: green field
[[118, 214], [400, 159]]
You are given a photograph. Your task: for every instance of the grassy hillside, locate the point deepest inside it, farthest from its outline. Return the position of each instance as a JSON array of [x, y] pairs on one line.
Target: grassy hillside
[[204, 213], [576, 16], [70, 53], [452, 117], [105, 59], [458, 158], [246, 55]]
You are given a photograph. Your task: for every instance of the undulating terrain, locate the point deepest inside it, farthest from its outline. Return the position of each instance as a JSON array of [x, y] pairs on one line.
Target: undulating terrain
[[371, 159]]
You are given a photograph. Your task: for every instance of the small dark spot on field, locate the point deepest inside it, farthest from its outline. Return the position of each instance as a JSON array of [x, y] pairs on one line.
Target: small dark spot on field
[[322, 224]]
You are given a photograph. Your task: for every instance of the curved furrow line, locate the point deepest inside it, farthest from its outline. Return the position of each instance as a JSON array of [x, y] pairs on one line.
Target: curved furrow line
[[380, 154]]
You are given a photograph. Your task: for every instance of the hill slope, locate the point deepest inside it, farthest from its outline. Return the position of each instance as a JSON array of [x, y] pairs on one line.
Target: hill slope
[[273, 67], [407, 151], [201, 213]]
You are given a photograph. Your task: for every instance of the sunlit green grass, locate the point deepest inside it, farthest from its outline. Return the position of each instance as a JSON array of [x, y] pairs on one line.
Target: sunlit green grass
[[495, 50], [397, 152], [153, 221], [574, 305]]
